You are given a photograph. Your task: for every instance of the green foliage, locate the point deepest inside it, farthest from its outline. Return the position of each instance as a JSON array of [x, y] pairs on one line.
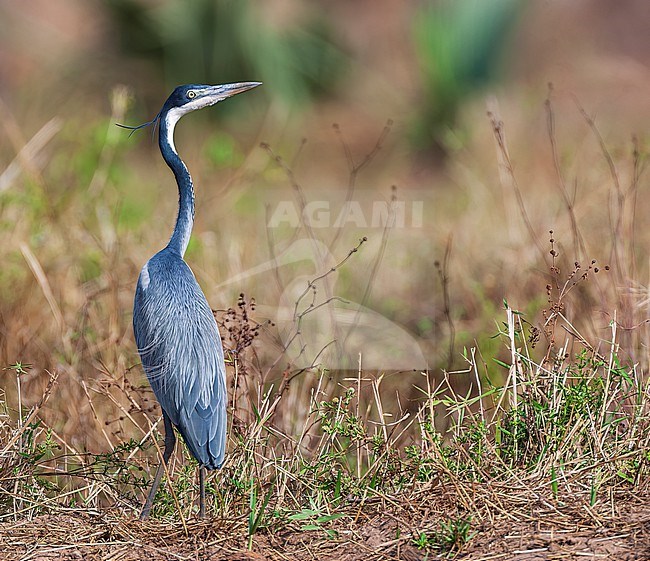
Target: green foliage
[[458, 44], [221, 40], [338, 421], [422, 465], [182, 488], [313, 519], [257, 511], [222, 151], [132, 214], [565, 406], [450, 538], [90, 265]]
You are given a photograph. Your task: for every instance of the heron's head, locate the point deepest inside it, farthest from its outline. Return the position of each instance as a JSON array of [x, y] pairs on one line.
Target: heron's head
[[191, 97], [195, 96]]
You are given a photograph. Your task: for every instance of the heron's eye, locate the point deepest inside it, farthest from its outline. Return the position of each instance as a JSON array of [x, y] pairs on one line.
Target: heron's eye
[[191, 94]]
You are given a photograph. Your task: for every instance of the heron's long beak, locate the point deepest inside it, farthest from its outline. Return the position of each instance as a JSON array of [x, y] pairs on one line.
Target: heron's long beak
[[228, 90]]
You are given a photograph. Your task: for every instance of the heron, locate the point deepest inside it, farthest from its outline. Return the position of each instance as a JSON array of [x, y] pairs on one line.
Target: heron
[[175, 331]]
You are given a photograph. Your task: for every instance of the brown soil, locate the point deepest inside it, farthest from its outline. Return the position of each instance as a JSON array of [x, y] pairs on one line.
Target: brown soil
[[538, 531]]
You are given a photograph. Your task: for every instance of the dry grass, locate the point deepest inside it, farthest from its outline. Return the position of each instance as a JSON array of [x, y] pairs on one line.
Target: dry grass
[[545, 533], [552, 463]]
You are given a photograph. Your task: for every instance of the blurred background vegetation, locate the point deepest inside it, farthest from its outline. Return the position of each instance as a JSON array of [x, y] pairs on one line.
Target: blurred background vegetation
[[83, 205]]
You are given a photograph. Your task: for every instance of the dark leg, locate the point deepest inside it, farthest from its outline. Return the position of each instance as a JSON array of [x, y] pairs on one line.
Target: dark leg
[[201, 492], [170, 441]]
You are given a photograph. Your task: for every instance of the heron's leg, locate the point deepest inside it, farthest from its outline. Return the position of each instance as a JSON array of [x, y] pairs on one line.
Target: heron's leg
[[170, 441], [201, 491]]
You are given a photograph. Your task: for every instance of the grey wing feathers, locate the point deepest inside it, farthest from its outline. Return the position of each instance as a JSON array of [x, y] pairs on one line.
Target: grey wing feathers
[[181, 353]]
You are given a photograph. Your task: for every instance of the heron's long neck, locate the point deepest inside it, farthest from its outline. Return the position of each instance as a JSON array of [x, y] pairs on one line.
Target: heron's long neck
[[185, 220]]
